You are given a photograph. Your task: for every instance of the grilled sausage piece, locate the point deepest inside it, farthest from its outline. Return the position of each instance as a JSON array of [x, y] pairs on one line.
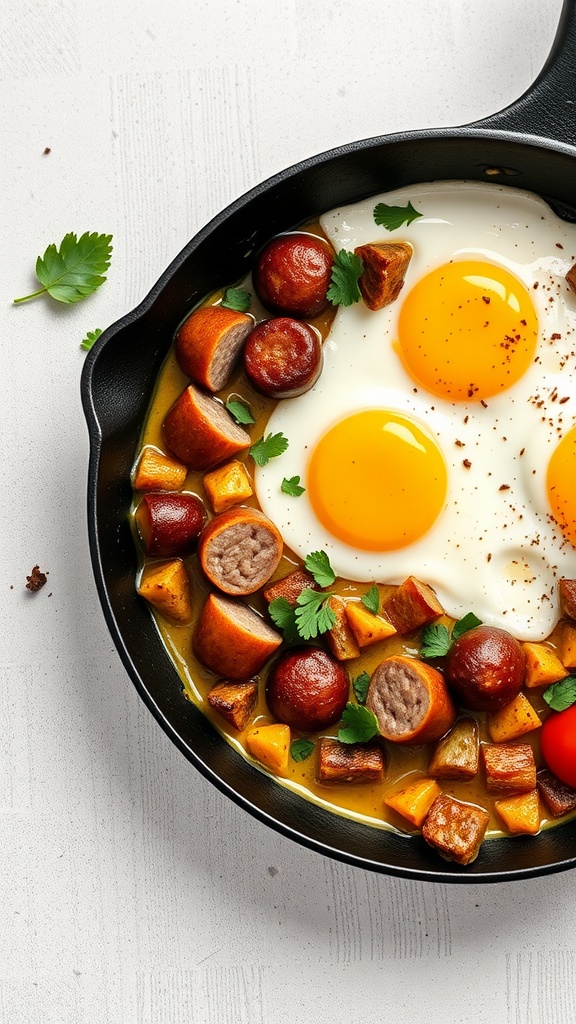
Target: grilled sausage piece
[[231, 639], [209, 343], [385, 265], [200, 432], [235, 700], [349, 762], [292, 274], [239, 550], [307, 689], [283, 357], [455, 829], [410, 701]]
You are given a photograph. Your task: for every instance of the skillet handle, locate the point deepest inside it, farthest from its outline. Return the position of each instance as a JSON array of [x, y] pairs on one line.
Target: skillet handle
[[548, 107]]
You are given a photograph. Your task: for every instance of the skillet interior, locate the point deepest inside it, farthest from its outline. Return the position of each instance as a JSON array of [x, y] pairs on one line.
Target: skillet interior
[[117, 384]]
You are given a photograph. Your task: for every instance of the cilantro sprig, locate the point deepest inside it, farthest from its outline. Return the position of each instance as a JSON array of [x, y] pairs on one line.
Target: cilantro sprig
[[301, 749], [239, 411], [437, 639], [308, 618], [318, 564], [237, 299], [371, 599], [267, 448], [392, 217], [360, 724], [91, 337], [360, 686], [73, 270], [561, 695], [344, 289], [291, 485]]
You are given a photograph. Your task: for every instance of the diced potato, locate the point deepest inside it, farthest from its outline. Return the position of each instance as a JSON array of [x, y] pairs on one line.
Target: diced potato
[[166, 586], [349, 762], [158, 472], [543, 666], [520, 814], [455, 829], [568, 645], [340, 637], [413, 604], [228, 485], [235, 701], [367, 627], [509, 767], [567, 595], [513, 720], [414, 800], [558, 797], [456, 755], [270, 744]]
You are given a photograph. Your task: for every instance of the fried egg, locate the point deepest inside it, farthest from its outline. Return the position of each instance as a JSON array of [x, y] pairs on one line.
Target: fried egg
[[440, 439]]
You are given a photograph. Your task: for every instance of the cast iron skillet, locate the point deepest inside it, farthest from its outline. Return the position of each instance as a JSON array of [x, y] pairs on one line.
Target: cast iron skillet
[[529, 145]]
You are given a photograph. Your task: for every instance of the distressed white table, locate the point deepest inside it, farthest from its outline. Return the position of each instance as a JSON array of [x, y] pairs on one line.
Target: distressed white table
[[131, 892]]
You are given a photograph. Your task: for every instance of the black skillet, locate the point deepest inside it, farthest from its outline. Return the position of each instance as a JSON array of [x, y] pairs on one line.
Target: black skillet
[[530, 145]]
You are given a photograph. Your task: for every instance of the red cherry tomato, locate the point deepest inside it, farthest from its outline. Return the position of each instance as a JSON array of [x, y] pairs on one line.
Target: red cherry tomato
[[558, 745]]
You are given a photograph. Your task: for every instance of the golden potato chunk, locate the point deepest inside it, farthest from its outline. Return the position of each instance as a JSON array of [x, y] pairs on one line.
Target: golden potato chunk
[[520, 814], [367, 627], [414, 800], [341, 639], [349, 762], [567, 595], [228, 485], [455, 829], [234, 701], [167, 588], [510, 767], [457, 754], [270, 744], [568, 645], [413, 604], [513, 720], [158, 472], [543, 666]]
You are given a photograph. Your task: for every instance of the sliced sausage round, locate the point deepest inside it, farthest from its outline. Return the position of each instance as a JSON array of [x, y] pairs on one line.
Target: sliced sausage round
[[292, 274], [307, 689], [410, 700], [233, 640], [239, 550], [209, 343], [283, 357], [200, 432], [169, 523]]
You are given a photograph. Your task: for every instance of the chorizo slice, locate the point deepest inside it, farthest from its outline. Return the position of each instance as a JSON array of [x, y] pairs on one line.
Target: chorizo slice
[[385, 265], [200, 432], [283, 357], [410, 700], [233, 640], [209, 343], [349, 762], [239, 550]]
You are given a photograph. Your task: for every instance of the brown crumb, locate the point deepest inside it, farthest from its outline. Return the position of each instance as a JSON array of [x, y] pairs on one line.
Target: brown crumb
[[486, 299], [466, 463], [36, 579], [47, 151]]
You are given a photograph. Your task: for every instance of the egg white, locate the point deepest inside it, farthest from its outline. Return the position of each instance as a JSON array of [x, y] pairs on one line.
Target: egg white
[[494, 548]]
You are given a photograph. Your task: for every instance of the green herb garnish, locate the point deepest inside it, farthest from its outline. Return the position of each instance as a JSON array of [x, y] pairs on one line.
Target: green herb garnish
[[360, 686], [300, 750], [313, 614], [561, 695], [318, 564], [469, 621], [437, 639], [346, 270], [239, 411], [237, 299], [267, 448], [292, 486], [371, 600], [90, 338], [283, 615], [392, 217], [74, 270], [360, 724]]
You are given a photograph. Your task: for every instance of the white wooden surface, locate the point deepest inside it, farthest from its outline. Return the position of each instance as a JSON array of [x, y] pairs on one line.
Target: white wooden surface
[[131, 892]]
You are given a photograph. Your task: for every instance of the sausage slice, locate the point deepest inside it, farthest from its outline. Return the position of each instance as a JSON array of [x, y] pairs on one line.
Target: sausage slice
[[410, 700], [209, 343], [200, 432], [385, 265], [233, 640], [239, 550]]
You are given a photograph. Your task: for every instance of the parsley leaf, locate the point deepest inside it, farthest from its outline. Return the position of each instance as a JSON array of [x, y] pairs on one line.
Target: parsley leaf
[[313, 614], [470, 621], [267, 448], [344, 290], [371, 600], [75, 269], [561, 695], [318, 564], [392, 217], [239, 411], [300, 750], [360, 686], [360, 724], [283, 615], [436, 641], [237, 299], [292, 486], [90, 338]]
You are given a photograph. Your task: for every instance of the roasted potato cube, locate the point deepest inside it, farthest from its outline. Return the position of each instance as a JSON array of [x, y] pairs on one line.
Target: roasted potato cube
[[385, 265], [158, 472], [455, 829], [228, 485], [520, 814], [349, 762], [414, 800], [543, 666], [457, 754], [558, 797], [166, 587], [568, 645], [367, 627], [270, 744], [290, 587], [235, 701], [341, 639], [510, 767], [413, 604], [567, 595], [513, 720]]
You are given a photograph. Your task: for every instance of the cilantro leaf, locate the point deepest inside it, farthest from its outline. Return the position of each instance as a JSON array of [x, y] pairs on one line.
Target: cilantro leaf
[[292, 486], [239, 411], [237, 299], [90, 338], [74, 270], [267, 448], [392, 217], [561, 695], [344, 290], [360, 724], [283, 615], [360, 686], [371, 600], [436, 641], [301, 749], [318, 564], [469, 621], [313, 614]]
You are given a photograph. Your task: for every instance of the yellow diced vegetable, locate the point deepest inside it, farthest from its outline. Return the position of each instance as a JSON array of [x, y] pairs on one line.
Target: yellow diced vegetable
[[543, 666], [520, 814], [568, 645], [167, 588], [340, 637], [414, 800], [158, 472], [513, 720], [270, 744], [228, 485], [367, 627]]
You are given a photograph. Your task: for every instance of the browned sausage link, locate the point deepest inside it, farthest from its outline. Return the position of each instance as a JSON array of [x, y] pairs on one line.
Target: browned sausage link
[[231, 639], [411, 605], [292, 274], [283, 357], [410, 700], [209, 343], [239, 550], [349, 762], [290, 587], [200, 432]]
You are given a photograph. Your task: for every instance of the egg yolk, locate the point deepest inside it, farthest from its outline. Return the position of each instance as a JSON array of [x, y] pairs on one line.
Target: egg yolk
[[560, 485], [467, 331], [377, 480]]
